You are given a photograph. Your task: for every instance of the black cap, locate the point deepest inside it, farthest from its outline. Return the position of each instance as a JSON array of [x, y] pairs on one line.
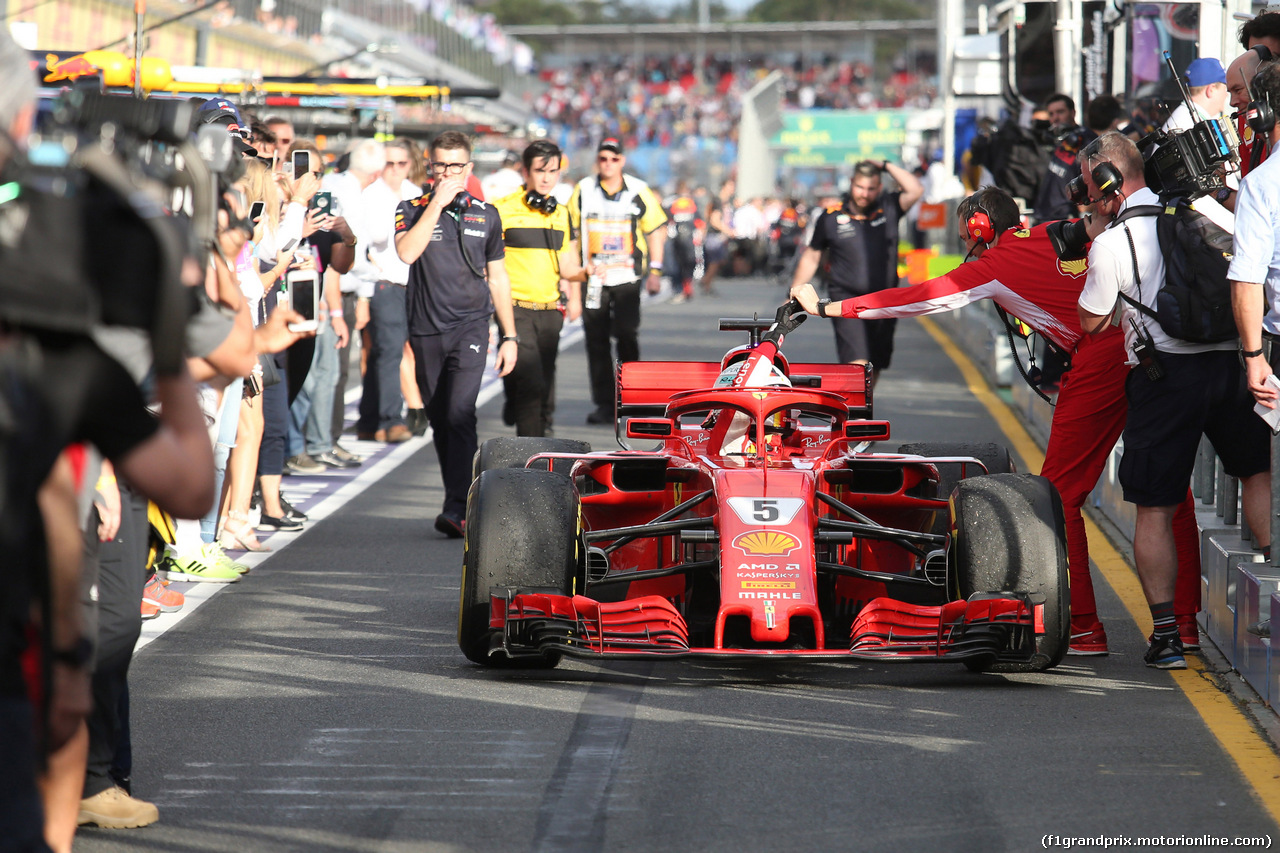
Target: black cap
[[610, 144]]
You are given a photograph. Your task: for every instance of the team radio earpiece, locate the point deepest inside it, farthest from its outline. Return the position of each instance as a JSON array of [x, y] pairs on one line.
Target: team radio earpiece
[[537, 201]]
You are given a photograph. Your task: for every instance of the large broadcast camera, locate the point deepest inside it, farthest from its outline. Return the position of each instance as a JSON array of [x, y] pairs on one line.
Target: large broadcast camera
[[1190, 163], [99, 214], [1183, 164]]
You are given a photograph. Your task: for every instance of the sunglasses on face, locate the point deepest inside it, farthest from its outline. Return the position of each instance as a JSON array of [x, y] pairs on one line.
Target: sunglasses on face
[[609, 159]]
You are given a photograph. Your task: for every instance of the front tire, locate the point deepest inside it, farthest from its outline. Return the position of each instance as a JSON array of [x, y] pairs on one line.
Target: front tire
[[1009, 536], [522, 531]]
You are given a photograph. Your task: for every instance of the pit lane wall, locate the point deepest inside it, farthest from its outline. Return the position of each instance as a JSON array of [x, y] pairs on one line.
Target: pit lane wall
[[1237, 588]]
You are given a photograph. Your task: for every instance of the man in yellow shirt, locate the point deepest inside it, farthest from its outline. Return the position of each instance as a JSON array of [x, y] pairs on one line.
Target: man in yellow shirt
[[622, 228], [541, 251]]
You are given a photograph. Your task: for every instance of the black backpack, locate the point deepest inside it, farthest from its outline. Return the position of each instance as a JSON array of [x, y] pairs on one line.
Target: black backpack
[[1195, 303]]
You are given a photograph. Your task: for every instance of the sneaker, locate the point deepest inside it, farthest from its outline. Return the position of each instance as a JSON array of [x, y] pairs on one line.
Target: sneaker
[[303, 464], [345, 455], [157, 592], [115, 809], [398, 434], [271, 524], [200, 567], [149, 611], [291, 512], [329, 459], [1166, 653], [214, 552], [600, 416], [452, 527], [1189, 633], [1088, 638]]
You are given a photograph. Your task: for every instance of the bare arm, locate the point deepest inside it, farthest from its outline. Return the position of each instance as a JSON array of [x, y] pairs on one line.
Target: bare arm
[[500, 293], [1093, 323], [175, 466], [806, 266], [912, 189], [1249, 307]]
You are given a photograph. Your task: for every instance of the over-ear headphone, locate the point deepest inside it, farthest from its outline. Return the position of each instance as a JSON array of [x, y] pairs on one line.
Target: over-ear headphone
[[537, 201], [1259, 115], [979, 226]]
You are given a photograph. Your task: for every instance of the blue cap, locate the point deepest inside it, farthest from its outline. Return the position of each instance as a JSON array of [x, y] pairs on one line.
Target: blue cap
[[218, 109], [1205, 70]]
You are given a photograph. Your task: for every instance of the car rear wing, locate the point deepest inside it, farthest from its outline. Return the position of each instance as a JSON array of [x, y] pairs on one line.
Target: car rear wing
[[645, 387]]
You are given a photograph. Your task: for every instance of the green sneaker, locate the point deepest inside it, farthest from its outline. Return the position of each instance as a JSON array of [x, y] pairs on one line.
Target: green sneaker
[[213, 551], [198, 567]]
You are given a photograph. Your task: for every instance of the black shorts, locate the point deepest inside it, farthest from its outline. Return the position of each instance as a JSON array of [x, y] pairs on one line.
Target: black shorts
[[865, 340], [1201, 394]]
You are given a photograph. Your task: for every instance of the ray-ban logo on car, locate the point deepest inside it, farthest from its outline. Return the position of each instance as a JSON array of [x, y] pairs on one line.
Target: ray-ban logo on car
[[770, 542], [766, 512]]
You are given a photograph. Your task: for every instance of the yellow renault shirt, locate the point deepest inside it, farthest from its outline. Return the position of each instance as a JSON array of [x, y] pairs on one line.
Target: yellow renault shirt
[[533, 240]]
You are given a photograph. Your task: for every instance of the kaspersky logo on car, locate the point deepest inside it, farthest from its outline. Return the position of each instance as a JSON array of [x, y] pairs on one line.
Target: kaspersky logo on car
[[766, 543]]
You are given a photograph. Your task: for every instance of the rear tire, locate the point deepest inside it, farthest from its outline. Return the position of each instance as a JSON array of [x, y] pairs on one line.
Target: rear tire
[[522, 531], [994, 456], [1009, 536], [514, 451]]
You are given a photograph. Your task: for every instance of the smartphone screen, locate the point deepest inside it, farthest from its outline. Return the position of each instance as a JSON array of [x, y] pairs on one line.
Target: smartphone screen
[[255, 210], [301, 163], [303, 296]]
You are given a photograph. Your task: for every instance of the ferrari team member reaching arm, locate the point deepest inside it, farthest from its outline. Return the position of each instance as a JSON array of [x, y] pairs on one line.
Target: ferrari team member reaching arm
[[1037, 274]]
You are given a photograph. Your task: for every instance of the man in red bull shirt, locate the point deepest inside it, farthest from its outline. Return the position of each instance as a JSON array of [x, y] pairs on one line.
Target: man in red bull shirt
[[1037, 275]]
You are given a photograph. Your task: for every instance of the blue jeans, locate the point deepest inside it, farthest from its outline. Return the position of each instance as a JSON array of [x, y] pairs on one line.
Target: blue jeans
[[310, 415], [228, 422], [382, 404]]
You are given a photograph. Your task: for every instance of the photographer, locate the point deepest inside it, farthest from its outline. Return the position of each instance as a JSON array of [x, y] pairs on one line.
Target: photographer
[[1178, 391], [61, 387]]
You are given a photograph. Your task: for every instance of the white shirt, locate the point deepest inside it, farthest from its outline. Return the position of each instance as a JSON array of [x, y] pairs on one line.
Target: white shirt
[[349, 204], [1111, 268], [1257, 235], [380, 203], [501, 183]]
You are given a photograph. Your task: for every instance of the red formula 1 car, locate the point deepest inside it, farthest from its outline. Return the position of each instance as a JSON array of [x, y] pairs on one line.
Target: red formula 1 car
[[760, 526]]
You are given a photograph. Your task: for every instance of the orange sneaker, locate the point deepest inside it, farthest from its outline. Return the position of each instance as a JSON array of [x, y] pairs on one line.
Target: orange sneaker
[[157, 592], [1189, 631], [1088, 637], [149, 611]]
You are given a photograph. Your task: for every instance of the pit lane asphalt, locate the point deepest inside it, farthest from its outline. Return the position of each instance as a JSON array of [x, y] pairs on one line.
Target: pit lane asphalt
[[322, 705]]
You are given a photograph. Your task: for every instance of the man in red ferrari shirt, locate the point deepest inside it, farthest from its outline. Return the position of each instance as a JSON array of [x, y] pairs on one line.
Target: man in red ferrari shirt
[[1037, 275]]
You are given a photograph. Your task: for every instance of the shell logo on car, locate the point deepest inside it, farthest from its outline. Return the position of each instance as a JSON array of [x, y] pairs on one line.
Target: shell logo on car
[[767, 543]]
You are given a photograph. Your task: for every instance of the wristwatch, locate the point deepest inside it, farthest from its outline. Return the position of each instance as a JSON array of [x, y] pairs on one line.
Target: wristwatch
[[512, 338], [822, 307]]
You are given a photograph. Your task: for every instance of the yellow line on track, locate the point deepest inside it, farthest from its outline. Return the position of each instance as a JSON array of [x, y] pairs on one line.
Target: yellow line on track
[[1229, 723]]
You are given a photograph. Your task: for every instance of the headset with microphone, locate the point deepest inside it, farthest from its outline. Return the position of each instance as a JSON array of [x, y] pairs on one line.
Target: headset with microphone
[[537, 201]]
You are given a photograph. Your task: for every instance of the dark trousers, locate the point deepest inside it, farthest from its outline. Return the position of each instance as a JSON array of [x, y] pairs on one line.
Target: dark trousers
[[275, 422], [531, 386], [617, 319], [120, 580], [344, 367], [21, 815], [449, 369], [381, 404]]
